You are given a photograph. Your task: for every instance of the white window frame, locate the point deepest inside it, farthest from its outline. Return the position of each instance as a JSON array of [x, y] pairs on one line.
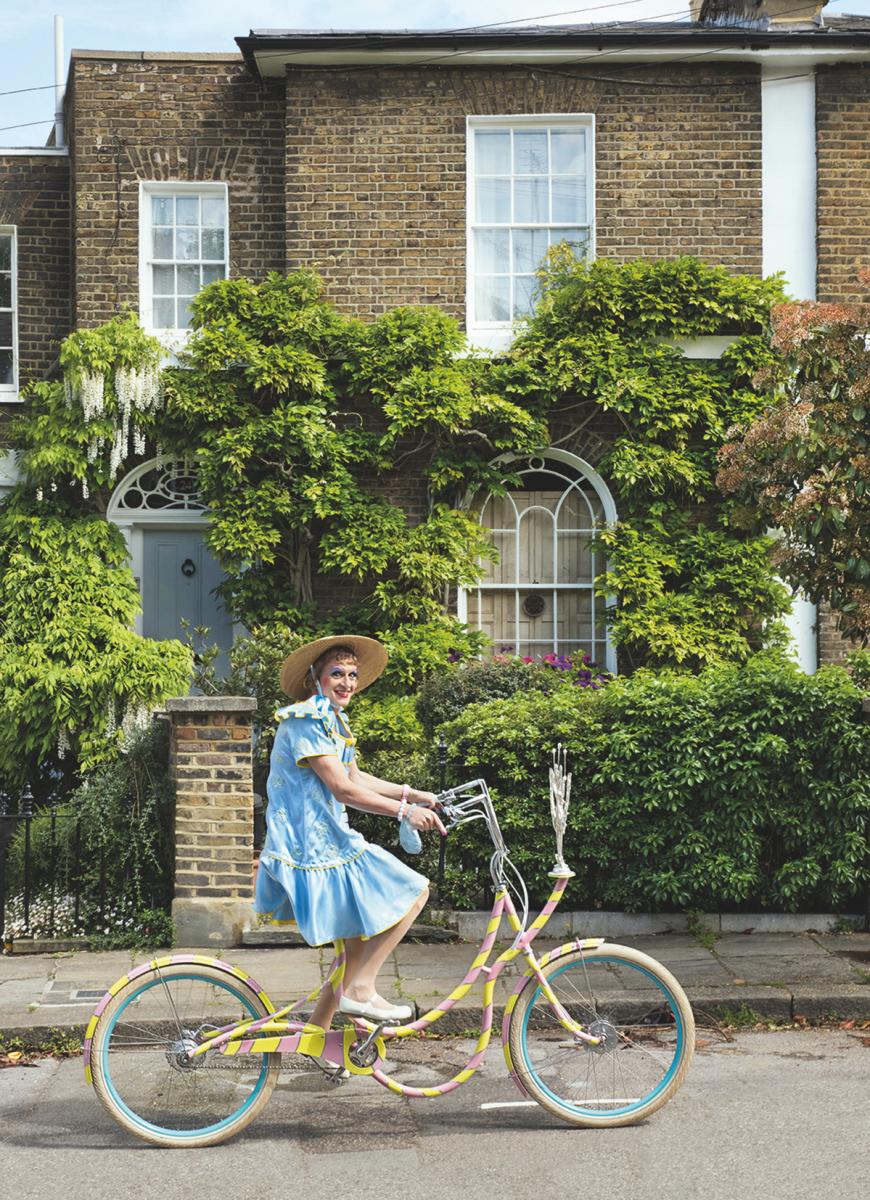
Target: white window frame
[[9, 391], [552, 587], [171, 338], [496, 335]]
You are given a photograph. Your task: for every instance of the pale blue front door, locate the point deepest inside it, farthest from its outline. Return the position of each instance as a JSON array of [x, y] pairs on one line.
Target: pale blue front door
[[178, 580]]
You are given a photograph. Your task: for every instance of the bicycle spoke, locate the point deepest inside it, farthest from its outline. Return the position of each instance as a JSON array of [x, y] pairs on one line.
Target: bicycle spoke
[[640, 1039]]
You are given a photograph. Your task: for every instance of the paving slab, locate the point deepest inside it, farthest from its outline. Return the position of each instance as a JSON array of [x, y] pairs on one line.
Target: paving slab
[[818, 975]]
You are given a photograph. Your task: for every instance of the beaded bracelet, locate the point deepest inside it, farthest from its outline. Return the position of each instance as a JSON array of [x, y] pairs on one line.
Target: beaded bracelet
[[404, 802]]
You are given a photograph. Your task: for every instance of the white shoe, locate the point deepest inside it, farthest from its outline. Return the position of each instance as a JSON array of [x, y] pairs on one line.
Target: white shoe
[[382, 1013]]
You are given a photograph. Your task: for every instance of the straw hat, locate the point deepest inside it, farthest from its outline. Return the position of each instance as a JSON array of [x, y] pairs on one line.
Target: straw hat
[[371, 659]]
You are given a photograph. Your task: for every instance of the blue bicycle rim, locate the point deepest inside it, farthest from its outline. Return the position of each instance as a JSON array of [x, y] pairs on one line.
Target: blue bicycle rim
[[179, 1133], [645, 1100]]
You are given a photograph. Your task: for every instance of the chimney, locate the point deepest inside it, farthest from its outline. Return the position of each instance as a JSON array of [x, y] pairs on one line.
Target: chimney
[[758, 14]]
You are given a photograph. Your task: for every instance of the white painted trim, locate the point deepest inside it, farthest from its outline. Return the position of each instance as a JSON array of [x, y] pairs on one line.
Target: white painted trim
[[9, 470], [34, 151], [122, 517], [273, 64], [498, 335], [9, 393], [709, 347], [788, 179], [172, 339], [788, 223], [801, 624]]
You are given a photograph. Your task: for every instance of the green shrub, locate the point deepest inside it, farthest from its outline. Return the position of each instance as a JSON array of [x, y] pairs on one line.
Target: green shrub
[[419, 652], [742, 787], [444, 696]]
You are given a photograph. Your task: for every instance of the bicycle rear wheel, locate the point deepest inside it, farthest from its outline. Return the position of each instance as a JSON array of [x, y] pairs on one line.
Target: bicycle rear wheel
[[138, 1066], [637, 1009]]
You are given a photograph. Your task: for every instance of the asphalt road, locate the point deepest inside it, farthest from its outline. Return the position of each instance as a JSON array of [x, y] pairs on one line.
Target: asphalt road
[[772, 1115]]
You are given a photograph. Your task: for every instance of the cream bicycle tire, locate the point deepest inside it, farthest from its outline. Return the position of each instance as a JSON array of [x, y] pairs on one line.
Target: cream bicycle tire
[[131, 1091], [565, 1078]]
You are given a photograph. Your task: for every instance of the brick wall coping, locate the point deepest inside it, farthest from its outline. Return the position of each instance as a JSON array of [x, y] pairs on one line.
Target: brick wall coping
[[201, 704], [160, 55]]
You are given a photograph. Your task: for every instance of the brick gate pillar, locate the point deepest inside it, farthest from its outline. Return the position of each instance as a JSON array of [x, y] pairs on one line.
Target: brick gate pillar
[[210, 761]]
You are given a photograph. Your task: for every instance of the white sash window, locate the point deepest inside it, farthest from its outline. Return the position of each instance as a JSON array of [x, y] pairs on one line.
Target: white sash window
[[8, 315], [530, 186], [539, 598], [183, 246]]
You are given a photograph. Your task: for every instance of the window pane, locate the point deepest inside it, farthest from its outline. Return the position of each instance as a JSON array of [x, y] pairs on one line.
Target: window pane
[[5, 252], [162, 240], [492, 298], [213, 244], [530, 153], [5, 328], [211, 274], [187, 210], [5, 291], [213, 212], [494, 200], [530, 200], [491, 250], [530, 246], [186, 244], [576, 238], [188, 281], [569, 200], [161, 210], [163, 281], [492, 153], [183, 314], [525, 290], [569, 153], [6, 373], [164, 314]]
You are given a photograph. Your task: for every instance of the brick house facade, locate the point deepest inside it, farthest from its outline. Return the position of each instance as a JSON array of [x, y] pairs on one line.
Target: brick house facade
[[744, 144]]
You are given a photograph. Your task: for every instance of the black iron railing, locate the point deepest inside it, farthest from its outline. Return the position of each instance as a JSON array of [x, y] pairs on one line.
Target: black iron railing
[[59, 879]]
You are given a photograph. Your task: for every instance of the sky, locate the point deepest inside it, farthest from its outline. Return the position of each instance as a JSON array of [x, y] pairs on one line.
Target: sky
[[27, 37]]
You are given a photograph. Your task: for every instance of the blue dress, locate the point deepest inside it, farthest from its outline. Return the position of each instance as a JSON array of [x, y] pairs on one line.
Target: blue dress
[[314, 868]]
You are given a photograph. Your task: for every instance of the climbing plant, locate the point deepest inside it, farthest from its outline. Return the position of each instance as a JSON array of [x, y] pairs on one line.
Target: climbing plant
[[312, 432], [692, 588]]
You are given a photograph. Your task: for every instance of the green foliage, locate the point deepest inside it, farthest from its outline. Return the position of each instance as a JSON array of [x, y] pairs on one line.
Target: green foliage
[[418, 652], [803, 465], [152, 929], [126, 807], [71, 666], [110, 843], [858, 665], [389, 724], [444, 696], [604, 337], [296, 414], [740, 787]]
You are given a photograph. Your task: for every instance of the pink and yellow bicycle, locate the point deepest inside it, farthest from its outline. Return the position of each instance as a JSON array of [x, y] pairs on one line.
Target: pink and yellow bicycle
[[186, 1050]]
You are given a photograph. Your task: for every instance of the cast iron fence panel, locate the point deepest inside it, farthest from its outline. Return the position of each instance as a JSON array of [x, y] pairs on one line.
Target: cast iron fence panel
[[55, 882]]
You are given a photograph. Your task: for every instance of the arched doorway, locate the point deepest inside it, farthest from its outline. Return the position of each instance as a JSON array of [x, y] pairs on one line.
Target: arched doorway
[[158, 508], [539, 598]]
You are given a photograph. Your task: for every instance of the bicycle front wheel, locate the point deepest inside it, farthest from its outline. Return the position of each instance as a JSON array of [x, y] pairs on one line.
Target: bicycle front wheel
[[140, 1071], [641, 1016]]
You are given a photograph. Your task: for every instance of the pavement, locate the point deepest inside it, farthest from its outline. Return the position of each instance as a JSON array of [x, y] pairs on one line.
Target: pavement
[[778, 976]]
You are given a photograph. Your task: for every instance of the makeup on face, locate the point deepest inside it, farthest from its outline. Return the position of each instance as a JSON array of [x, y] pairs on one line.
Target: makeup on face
[[338, 682]]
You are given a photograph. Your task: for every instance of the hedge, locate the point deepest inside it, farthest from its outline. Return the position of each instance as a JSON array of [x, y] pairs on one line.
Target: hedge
[[742, 787]]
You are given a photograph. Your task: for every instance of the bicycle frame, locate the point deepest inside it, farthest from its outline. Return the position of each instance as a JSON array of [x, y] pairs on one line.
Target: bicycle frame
[[360, 1048]]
